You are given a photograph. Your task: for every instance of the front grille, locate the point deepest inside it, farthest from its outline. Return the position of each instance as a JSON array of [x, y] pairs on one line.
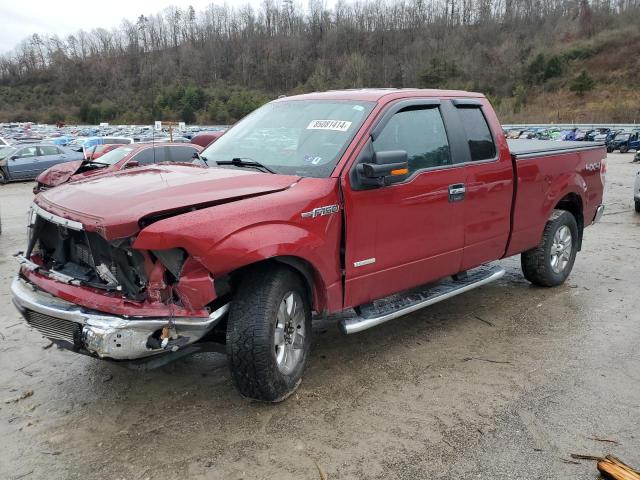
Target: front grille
[[54, 328]]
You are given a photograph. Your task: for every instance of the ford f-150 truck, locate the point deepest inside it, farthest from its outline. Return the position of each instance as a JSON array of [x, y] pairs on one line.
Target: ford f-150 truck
[[364, 205]]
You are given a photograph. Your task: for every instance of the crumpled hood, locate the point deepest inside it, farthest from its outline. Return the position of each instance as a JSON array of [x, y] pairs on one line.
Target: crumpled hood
[[114, 204], [59, 174]]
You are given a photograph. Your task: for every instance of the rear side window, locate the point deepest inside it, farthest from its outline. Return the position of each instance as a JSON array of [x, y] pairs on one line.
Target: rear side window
[[481, 143], [421, 133], [49, 150], [181, 154], [147, 156]]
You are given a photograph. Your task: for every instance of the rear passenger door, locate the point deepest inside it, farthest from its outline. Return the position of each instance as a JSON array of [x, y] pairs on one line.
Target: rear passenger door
[[488, 185], [49, 155]]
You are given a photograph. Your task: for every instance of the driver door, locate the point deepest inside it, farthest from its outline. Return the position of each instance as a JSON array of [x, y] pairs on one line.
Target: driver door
[[409, 233], [24, 163]]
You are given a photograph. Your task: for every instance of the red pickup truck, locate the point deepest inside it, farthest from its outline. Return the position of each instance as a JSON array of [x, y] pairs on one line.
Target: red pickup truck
[[366, 204]]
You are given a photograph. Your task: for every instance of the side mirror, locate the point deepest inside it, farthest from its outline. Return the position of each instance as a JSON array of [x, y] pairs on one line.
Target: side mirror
[[132, 164], [386, 168], [195, 156], [14, 157]]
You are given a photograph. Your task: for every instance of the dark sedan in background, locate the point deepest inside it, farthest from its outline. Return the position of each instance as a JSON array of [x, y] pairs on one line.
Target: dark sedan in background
[[26, 162]]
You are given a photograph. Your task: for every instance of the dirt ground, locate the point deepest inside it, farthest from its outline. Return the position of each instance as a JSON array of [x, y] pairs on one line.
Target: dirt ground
[[504, 382]]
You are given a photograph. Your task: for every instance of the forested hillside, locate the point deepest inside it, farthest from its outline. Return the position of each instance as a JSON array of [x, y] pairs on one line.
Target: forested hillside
[[538, 60]]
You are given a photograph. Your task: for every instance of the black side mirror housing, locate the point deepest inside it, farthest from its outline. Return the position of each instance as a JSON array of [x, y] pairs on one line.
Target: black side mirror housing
[[132, 164], [14, 157], [386, 168]]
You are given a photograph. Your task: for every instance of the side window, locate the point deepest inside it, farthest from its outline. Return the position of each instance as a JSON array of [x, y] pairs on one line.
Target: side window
[[481, 143], [162, 154], [27, 152], [49, 150], [421, 133], [146, 156], [181, 154]]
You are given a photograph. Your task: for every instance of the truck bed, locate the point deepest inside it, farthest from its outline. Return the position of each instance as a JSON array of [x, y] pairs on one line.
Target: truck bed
[[522, 149]]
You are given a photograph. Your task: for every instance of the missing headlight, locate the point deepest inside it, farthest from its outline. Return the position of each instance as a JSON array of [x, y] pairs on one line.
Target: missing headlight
[[173, 260]]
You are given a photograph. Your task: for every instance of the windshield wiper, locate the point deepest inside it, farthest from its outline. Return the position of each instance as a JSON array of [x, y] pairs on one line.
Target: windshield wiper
[[241, 162]]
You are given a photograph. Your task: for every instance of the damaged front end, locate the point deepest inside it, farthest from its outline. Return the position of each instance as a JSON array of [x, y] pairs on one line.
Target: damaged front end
[[106, 298]]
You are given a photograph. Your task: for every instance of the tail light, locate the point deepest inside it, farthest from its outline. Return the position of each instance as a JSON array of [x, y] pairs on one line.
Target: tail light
[[603, 171]]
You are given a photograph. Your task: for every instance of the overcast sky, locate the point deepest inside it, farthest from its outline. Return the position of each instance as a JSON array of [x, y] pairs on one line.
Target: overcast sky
[[19, 19]]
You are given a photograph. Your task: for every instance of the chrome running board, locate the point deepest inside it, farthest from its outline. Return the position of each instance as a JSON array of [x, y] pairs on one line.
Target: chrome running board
[[394, 306]]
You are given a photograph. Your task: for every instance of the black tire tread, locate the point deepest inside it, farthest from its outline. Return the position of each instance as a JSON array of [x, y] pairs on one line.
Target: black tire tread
[[535, 266], [637, 202], [249, 339]]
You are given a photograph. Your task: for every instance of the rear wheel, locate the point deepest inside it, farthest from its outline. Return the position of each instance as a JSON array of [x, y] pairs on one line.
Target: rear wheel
[[624, 148], [637, 206], [269, 333], [550, 263]]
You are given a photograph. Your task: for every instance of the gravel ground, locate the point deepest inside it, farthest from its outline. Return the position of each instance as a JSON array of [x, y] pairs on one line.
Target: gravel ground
[[504, 382]]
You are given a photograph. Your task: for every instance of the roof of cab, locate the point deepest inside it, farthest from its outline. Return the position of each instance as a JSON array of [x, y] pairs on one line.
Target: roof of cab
[[377, 94]]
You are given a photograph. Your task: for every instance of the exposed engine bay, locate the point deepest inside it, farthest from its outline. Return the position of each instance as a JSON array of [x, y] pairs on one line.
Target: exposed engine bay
[[68, 252], [88, 258]]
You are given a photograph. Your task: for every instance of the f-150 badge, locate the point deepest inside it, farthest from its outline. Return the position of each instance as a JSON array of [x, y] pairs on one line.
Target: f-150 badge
[[321, 211]]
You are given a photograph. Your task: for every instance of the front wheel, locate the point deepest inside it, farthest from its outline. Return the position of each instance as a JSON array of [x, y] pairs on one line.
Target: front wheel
[[637, 206], [269, 333], [550, 263], [3, 177], [624, 149]]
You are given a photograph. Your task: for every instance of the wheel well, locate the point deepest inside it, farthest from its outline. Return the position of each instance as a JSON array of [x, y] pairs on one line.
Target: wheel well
[[572, 203], [308, 273]]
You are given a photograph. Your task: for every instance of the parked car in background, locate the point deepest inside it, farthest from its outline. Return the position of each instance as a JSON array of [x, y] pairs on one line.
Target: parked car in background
[[636, 191], [104, 141], [567, 136], [623, 141], [580, 135], [204, 139], [98, 150], [25, 162], [63, 140], [125, 156], [592, 134], [606, 136]]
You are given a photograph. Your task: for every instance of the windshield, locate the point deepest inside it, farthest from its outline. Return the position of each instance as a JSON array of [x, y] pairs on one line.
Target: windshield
[[622, 136], [6, 151], [114, 156], [301, 137]]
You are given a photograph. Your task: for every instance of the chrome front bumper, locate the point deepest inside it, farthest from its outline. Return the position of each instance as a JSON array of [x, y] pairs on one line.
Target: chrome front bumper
[[599, 213], [104, 335]]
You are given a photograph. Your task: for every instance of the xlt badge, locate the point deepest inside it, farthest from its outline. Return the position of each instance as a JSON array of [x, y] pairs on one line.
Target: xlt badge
[[321, 211]]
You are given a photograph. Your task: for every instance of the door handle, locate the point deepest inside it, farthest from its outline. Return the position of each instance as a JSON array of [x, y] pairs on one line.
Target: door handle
[[456, 192]]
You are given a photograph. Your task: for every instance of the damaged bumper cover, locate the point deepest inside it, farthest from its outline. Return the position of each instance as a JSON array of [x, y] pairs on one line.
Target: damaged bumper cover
[[105, 335]]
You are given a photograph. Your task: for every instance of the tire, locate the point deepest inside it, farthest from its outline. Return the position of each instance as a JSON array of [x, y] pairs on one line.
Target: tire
[[624, 149], [3, 177], [609, 149], [550, 263], [269, 333], [637, 206]]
